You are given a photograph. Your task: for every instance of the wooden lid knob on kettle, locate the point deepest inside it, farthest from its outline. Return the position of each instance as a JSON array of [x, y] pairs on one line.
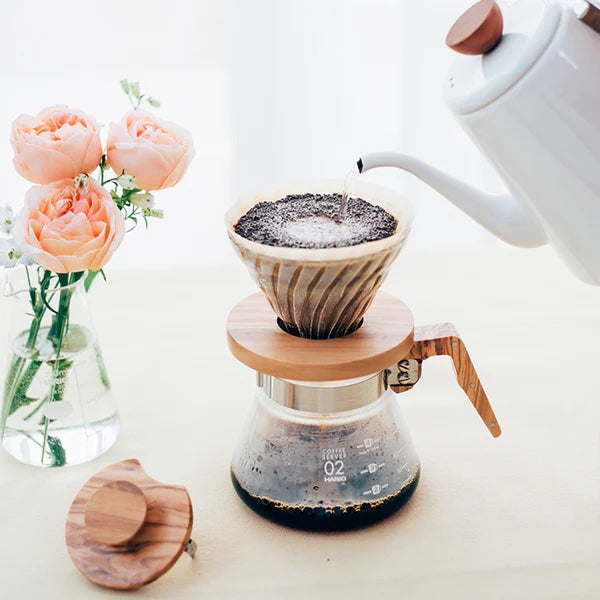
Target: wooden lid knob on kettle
[[478, 30], [125, 529]]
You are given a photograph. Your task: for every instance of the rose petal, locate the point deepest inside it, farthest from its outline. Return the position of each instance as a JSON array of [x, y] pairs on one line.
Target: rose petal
[[145, 163], [42, 165]]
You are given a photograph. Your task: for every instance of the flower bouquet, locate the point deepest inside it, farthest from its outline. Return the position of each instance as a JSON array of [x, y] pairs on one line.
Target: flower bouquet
[[57, 408]]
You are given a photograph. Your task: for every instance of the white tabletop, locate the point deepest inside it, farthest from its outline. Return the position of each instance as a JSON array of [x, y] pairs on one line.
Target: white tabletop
[[513, 517]]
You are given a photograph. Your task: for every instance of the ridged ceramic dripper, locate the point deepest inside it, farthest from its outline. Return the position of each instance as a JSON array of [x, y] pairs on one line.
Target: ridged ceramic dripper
[[322, 293]]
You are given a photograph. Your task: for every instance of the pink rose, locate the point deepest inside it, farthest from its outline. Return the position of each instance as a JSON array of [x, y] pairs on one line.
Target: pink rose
[[60, 142], [155, 152], [66, 228]]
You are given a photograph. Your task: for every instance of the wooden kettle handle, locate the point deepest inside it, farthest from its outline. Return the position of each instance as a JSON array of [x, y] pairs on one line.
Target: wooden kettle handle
[[443, 339], [591, 17]]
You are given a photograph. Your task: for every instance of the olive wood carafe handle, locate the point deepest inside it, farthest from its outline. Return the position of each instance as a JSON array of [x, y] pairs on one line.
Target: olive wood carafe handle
[[439, 340]]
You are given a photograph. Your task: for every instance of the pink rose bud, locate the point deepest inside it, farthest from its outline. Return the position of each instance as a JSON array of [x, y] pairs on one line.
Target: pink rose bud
[[155, 152], [60, 142], [67, 228]]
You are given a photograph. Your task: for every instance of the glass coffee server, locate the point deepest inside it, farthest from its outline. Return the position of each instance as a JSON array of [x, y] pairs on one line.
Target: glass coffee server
[[326, 446]]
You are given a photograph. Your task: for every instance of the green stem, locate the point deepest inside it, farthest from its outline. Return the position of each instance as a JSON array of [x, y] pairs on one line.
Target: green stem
[[21, 374], [55, 445], [15, 375], [56, 335]]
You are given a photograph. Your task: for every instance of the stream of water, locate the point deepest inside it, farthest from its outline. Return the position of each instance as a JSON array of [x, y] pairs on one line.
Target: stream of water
[[349, 182]]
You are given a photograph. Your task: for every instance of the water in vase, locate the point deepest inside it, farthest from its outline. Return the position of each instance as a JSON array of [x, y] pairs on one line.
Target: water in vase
[[57, 411]]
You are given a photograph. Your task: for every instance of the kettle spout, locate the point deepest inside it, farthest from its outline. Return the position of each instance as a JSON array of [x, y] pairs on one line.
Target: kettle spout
[[503, 215]]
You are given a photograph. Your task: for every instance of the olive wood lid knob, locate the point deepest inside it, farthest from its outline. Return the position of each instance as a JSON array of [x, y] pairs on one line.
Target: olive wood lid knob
[[478, 30], [116, 512]]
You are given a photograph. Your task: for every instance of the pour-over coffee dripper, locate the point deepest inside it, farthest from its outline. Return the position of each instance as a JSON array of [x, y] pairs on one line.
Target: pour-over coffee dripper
[[321, 293], [326, 446]]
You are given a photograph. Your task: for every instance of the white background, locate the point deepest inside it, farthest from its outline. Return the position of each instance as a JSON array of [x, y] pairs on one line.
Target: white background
[[272, 91]]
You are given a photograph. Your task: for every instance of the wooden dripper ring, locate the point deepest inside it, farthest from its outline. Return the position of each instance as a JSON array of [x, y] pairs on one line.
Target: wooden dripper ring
[[125, 529], [386, 343]]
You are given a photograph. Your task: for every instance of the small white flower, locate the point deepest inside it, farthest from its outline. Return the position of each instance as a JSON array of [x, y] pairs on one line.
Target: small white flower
[[81, 180], [7, 219], [157, 213], [11, 255], [143, 200], [8, 253], [127, 182], [14, 254]]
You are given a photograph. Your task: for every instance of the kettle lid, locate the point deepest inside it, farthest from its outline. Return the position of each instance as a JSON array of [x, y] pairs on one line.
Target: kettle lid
[[499, 48]]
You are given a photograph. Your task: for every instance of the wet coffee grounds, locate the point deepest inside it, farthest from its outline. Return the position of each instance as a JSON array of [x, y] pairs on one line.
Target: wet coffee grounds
[[328, 518], [309, 221]]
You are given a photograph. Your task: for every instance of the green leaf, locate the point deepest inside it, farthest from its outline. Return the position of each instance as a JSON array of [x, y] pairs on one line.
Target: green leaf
[[154, 102], [58, 452], [14, 372], [124, 85], [20, 397], [102, 368], [134, 87], [89, 278]]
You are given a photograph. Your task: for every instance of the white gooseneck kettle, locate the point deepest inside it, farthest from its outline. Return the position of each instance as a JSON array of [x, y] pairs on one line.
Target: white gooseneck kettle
[[528, 93]]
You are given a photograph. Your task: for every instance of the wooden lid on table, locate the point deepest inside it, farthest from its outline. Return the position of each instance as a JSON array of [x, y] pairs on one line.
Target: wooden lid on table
[[256, 340], [125, 529]]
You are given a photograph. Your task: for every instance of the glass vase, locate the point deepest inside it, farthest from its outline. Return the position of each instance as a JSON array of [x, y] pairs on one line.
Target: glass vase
[[57, 406]]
